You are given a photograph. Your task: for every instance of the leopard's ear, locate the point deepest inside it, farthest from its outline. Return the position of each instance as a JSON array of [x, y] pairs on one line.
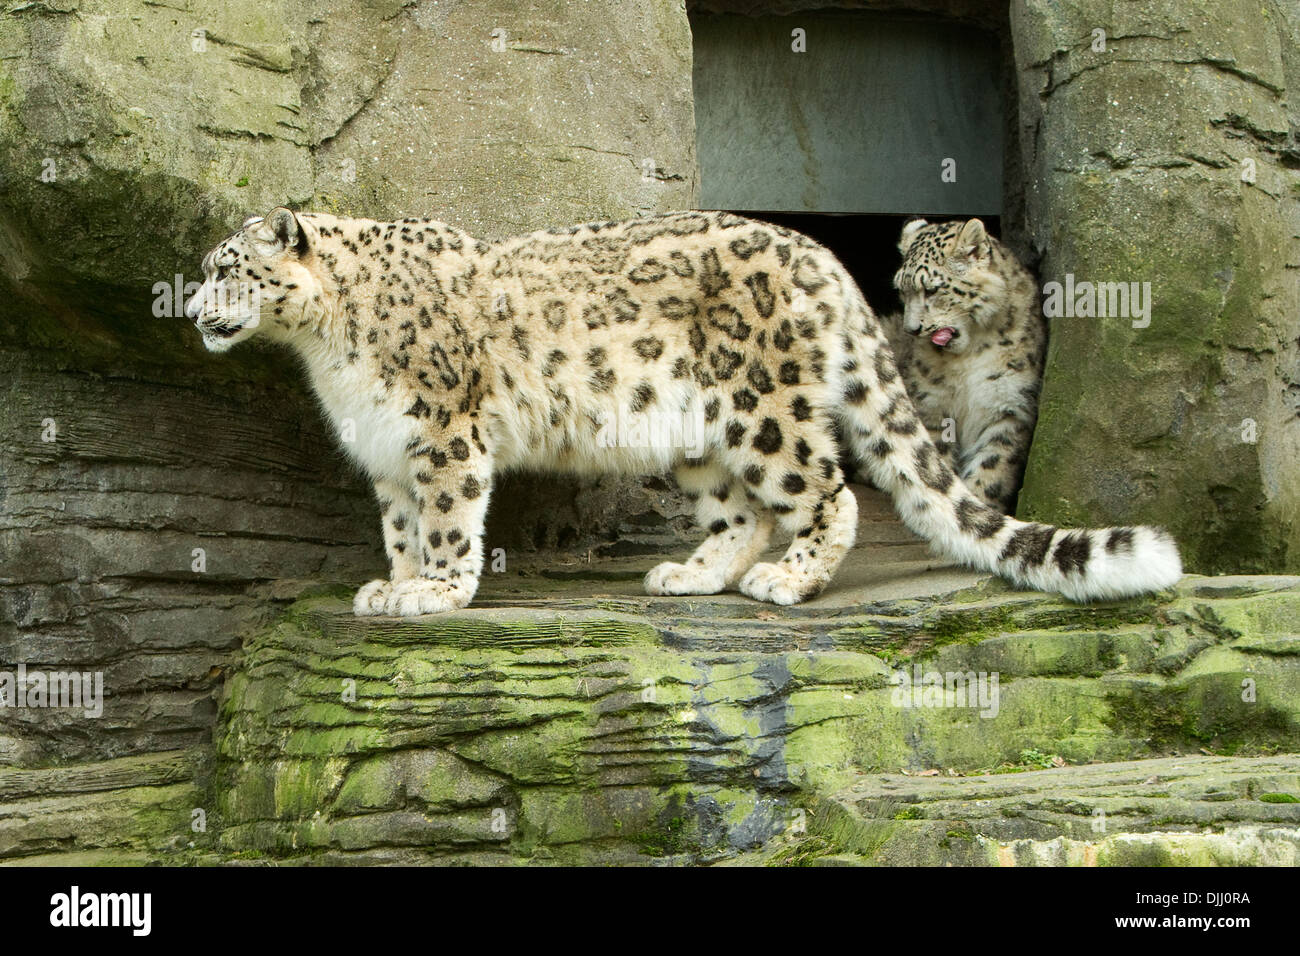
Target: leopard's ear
[[286, 228], [909, 234], [971, 244]]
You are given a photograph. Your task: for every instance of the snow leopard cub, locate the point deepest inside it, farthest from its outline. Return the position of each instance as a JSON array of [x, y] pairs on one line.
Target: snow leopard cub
[[970, 346]]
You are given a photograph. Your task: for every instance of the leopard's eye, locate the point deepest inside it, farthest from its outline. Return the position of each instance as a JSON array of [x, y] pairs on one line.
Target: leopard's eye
[[223, 271]]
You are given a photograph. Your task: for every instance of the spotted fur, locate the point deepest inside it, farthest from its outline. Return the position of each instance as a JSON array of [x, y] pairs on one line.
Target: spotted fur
[[970, 347], [453, 359]]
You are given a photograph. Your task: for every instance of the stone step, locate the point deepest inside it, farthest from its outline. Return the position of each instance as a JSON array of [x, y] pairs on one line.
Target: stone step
[[1189, 810], [120, 812], [1176, 811]]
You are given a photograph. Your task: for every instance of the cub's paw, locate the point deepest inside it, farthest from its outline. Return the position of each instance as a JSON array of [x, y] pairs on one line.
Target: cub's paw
[[426, 596], [372, 598], [775, 584], [670, 578]]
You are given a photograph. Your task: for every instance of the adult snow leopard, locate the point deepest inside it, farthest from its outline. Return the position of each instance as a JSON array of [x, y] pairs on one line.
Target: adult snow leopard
[[453, 359], [970, 347]]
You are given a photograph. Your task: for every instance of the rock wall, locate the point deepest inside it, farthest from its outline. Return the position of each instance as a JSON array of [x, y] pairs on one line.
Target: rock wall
[[1170, 158], [133, 136]]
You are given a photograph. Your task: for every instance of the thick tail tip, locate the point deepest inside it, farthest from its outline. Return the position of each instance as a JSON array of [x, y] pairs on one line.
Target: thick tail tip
[[1129, 562]]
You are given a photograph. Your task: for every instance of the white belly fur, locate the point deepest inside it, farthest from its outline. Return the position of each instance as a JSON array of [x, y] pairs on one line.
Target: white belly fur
[[360, 410]]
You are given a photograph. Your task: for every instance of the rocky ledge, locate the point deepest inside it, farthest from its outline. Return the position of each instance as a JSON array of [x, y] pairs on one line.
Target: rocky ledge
[[914, 713]]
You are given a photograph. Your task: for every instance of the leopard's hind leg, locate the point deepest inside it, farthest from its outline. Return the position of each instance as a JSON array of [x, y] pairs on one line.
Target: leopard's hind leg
[[738, 534], [793, 471]]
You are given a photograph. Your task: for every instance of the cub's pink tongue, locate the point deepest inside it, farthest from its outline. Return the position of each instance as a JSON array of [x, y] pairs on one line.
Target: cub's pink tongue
[[942, 337]]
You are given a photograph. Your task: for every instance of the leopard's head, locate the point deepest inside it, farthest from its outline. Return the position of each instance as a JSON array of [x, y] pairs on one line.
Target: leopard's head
[[256, 280], [949, 287]]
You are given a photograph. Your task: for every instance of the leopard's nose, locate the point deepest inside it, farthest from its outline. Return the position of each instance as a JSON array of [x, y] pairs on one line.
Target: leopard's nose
[[912, 316], [194, 307]]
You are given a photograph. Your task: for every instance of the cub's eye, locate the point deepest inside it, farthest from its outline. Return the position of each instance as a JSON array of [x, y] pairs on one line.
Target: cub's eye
[[223, 271]]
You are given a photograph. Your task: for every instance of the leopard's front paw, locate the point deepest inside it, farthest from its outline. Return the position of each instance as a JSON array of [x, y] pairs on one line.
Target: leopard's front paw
[[372, 598], [427, 596], [672, 578], [775, 583]]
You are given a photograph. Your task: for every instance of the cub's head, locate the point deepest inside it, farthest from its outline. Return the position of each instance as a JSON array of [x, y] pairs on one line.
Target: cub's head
[[947, 281], [256, 280]]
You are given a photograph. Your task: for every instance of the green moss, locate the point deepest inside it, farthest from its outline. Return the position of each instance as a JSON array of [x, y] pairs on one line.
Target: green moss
[[803, 852], [248, 855], [833, 831], [1033, 758], [1278, 798], [961, 831], [673, 839], [968, 627], [1028, 760], [1103, 616], [1205, 713]]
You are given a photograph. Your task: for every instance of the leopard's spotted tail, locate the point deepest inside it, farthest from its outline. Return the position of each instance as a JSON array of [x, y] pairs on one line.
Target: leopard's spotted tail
[[887, 437]]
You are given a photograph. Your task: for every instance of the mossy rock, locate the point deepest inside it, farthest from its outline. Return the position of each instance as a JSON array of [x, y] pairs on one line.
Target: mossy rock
[[1183, 811], [598, 722]]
